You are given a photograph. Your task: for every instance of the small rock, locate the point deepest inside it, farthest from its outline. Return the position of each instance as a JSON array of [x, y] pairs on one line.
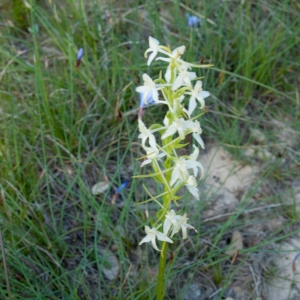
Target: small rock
[[249, 152], [110, 265], [100, 187], [280, 287], [258, 135], [193, 292], [265, 154]]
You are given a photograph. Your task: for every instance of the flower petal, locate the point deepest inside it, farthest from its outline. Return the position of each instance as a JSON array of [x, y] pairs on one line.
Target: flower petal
[[204, 94], [167, 225], [164, 238], [146, 162], [175, 175], [153, 241], [192, 105], [151, 57], [194, 191], [146, 239], [152, 142], [177, 83], [184, 232], [174, 231], [195, 154], [170, 131], [181, 133], [198, 138]]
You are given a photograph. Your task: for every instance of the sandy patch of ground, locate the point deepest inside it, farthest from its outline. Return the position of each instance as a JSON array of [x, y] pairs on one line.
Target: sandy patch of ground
[[227, 181]]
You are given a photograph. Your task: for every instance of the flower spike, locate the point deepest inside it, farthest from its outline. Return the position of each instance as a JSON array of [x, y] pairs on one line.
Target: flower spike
[[181, 92]]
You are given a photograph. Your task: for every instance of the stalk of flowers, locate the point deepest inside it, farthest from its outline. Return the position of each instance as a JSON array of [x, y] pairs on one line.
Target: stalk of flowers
[[160, 142]]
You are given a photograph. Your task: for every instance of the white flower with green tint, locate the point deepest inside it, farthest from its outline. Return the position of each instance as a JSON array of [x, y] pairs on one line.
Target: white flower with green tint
[[184, 77], [191, 185], [152, 155], [174, 57], [180, 172], [145, 135], [149, 87], [194, 127], [152, 235], [154, 48], [197, 94], [174, 62], [184, 226], [176, 222], [176, 126], [171, 222]]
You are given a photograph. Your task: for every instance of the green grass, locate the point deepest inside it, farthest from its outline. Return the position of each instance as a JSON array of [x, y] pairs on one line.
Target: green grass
[[60, 134]]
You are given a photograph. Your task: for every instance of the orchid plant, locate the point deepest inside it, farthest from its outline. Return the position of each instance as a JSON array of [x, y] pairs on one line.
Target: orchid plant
[[169, 169]]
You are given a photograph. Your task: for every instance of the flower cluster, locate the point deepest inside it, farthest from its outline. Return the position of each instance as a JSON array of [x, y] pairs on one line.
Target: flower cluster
[[172, 221], [171, 170]]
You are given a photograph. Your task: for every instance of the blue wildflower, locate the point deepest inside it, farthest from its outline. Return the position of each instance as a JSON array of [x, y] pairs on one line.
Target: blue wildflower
[[193, 20], [149, 99], [122, 186], [80, 54]]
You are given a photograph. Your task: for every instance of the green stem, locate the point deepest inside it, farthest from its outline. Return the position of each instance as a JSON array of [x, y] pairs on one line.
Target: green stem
[[160, 291], [161, 286]]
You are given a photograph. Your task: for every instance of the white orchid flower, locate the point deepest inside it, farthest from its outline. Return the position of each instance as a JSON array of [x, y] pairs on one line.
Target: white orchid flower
[[147, 134], [178, 52], [173, 59], [181, 126], [149, 91], [152, 154], [152, 235], [196, 130], [180, 171], [177, 126], [199, 94], [171, 221], [184, 226], [191, 185], [154, 48], [182, 165], [148, 87], [184, 77], [175, 55], [193, 163], [176, 222]]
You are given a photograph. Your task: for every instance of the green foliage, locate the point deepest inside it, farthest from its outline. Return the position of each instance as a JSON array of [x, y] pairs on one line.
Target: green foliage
[[19, 14], [60, 133]]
